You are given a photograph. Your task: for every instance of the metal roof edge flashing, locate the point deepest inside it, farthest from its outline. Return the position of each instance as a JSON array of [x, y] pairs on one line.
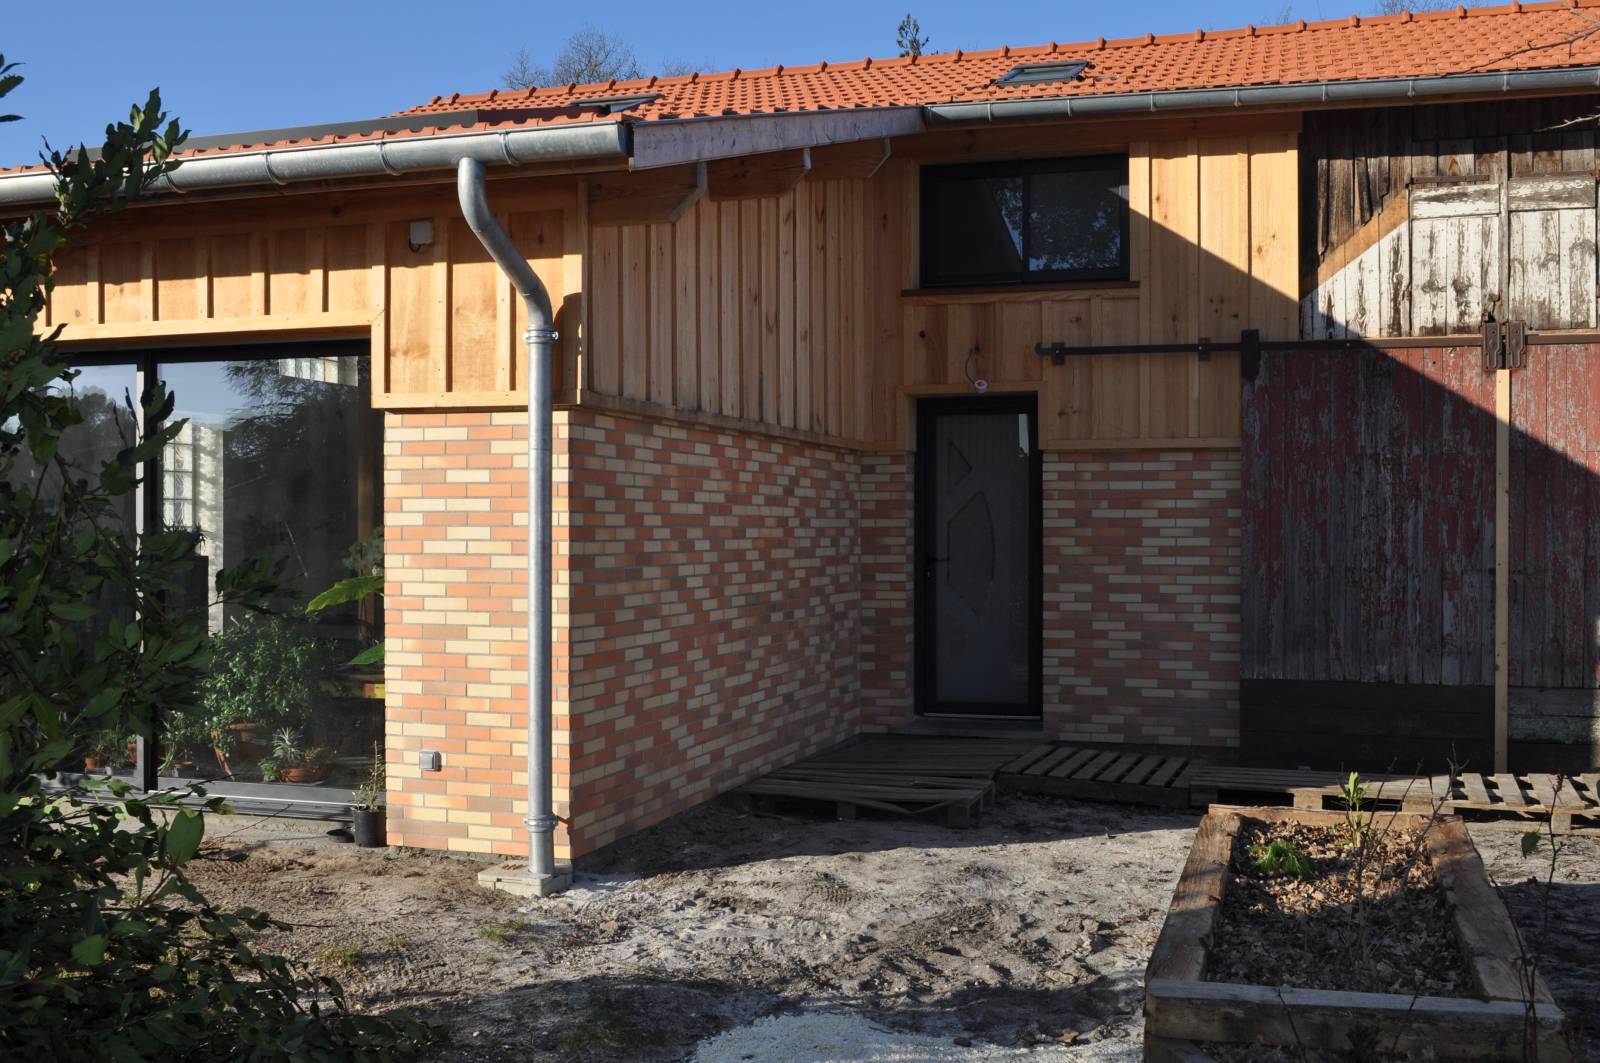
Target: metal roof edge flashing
[[279, 167], [1391, 89]]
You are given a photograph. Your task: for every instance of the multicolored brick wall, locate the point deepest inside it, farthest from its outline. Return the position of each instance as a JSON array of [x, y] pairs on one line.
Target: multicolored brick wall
[[1141, 596], [727, 602], [455, 606], [887, 617], [716, 613]]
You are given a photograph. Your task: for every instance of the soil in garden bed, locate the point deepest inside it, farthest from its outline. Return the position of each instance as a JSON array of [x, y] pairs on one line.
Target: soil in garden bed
[[1369, 919]]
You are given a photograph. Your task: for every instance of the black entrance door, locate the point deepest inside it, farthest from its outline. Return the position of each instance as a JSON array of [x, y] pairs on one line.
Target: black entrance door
[[978, 594]]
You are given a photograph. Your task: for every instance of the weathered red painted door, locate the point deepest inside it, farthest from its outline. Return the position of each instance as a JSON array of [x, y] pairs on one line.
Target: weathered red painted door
[[1554, 655], [1368, 608]]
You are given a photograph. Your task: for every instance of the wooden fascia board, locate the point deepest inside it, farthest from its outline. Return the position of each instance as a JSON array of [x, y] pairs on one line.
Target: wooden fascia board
[[752, 176], [658, 197], [673, 143]]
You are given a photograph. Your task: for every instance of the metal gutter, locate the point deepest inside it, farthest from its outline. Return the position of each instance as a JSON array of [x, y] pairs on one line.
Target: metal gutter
[[368, 158], [1392, 90]]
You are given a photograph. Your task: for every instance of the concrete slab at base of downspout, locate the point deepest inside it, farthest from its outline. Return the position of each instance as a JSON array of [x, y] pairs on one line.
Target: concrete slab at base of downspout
[[513, 878]]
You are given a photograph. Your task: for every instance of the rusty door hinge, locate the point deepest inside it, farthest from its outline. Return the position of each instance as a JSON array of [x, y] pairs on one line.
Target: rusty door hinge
[[1505, 344]]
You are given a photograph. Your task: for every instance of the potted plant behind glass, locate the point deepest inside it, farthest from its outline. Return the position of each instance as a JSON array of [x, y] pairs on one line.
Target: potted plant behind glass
[[101, 752], [368, 811], [297, 762], [264, 674]]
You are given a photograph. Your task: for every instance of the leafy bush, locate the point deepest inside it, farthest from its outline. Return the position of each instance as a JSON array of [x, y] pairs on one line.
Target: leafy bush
[[114, 955], [107, 951]]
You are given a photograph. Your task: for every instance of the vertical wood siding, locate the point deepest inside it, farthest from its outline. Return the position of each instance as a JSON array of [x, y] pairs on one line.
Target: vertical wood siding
[[1417, 221], [444, 324], [1555, 518], [1369, 517], [799, 311]]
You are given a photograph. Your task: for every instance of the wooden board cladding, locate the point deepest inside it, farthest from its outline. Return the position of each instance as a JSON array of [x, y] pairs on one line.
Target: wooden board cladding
[[1555, 518], [1522, 248], [1369, 548], [444, 324], [753, 309], [1211, 233], [800, 310], [1354, 162]]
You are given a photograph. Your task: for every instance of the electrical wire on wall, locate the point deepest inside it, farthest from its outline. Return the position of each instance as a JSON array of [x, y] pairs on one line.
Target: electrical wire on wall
[[979, 384]]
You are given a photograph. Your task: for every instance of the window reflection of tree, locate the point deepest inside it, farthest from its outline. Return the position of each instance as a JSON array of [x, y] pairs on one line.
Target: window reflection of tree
[[299, 455], [1076, 221]]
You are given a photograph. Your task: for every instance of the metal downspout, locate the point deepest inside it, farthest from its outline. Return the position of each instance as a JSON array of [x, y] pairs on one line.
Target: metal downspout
[[540, 337]]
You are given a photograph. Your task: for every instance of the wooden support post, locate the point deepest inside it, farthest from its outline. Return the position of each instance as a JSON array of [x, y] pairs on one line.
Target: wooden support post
[[1502, 567]]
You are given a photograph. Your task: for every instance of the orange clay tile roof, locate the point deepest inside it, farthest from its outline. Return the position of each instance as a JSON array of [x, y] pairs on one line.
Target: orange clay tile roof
[[1519, 36], [1487, 39]]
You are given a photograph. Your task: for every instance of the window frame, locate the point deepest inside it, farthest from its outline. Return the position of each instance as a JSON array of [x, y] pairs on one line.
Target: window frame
[[1026, 169], [146, 360]]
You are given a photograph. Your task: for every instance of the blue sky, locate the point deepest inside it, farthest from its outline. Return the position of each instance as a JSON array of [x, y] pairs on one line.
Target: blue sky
[[226, 66]]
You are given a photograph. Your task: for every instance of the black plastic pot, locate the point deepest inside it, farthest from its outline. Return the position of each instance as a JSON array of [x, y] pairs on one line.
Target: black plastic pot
[[369, 829]]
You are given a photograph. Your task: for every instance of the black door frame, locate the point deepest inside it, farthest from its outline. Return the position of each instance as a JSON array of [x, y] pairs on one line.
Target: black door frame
[[928, 411]]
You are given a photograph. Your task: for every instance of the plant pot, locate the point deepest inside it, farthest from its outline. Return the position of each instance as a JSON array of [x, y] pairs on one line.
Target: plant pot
[[370, 830], [304, 774], [245, 750], [92, 763]]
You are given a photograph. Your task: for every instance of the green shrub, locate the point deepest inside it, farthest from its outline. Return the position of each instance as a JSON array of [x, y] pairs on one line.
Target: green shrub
[[108, 953]]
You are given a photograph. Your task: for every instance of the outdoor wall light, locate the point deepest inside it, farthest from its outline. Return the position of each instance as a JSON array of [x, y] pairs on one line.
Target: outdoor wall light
[[421, 234]]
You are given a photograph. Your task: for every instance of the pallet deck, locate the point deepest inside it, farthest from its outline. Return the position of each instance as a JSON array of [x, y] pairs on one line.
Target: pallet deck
[[915, 775], [1071, 771], [901, 775]]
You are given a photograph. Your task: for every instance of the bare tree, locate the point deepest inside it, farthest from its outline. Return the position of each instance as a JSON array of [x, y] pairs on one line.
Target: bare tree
[[589, 55], [908, 37]]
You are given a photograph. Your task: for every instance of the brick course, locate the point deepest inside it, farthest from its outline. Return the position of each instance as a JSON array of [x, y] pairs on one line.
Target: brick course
[[887, 620], [455, 608], [1141, 596], [715, 613], [728, 602]]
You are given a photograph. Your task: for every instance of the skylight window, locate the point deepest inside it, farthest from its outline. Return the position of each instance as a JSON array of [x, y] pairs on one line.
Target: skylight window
[[613, 104], [1035, 73]]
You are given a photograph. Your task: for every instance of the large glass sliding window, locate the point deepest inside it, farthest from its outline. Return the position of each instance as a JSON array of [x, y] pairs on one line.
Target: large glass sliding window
[[280, 456]]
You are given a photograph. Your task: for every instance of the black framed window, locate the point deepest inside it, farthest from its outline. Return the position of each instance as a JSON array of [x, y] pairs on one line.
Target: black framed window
[[282, 455], [1024, 222]]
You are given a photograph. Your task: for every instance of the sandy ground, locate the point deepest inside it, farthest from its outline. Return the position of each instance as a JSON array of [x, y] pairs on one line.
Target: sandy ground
[[727, 935]]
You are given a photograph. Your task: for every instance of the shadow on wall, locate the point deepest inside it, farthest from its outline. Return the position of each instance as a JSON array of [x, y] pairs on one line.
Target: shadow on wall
[[1370, 552]]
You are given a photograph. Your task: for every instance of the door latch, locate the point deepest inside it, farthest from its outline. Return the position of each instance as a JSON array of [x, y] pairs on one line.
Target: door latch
[[1505, 344]]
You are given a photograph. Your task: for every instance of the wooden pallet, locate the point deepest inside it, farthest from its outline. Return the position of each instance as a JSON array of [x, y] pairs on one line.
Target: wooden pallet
[[1574, 806], [1531, 796], [1303, 789], [900, 775], [1106, 775]]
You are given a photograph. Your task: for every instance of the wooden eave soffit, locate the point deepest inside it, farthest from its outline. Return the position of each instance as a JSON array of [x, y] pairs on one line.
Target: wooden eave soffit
[[753, 176], [662, 196], [652, 197]]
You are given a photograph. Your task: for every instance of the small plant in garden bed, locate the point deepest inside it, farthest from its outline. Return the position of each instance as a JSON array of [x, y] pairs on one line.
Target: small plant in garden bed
[[1307, 906], [1281, 857]]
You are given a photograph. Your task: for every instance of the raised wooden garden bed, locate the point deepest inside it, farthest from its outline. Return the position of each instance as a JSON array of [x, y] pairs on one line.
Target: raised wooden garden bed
[[1485, 1017]]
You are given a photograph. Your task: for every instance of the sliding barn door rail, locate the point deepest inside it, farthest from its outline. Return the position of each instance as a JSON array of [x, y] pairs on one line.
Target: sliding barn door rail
[[1503, 343]]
